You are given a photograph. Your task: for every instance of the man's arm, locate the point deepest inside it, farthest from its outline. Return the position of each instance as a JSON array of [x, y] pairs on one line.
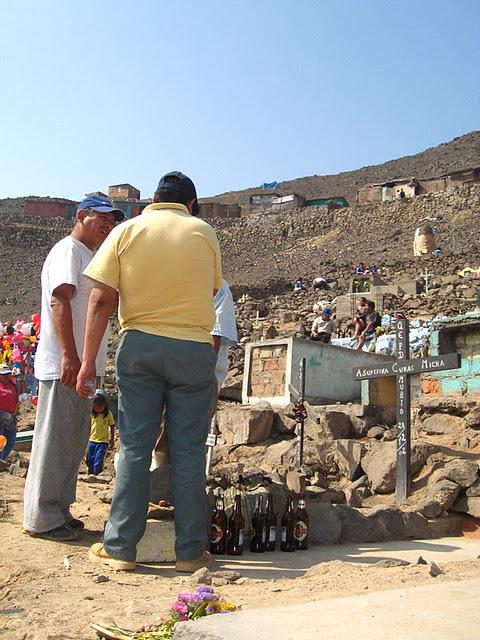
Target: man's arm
[[100, 305], [216, 343], [60, 304]]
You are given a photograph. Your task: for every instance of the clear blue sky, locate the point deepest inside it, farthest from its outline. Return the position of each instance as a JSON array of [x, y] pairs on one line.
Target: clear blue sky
[[234, 93]]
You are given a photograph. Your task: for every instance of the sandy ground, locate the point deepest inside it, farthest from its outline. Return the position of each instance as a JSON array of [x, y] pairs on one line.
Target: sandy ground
[[48, 590]]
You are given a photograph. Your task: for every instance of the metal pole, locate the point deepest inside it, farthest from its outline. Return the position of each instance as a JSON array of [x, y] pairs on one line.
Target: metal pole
[[403, 414], [301, 412]]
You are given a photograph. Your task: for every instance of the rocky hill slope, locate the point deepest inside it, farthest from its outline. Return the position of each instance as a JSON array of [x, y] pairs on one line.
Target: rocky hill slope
[[459, 153]]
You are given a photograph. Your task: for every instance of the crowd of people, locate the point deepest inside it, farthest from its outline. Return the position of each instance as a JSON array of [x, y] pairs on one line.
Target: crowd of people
[[18, 346]]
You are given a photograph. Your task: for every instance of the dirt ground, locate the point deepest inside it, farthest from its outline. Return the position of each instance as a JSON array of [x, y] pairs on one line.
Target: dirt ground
[[49, 591]]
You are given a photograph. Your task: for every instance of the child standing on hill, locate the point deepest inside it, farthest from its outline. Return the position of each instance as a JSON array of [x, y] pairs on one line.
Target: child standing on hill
[[101, 433]]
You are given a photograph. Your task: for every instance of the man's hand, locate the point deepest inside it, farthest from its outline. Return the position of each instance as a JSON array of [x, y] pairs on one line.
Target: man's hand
[[86, 374], [70, 367]]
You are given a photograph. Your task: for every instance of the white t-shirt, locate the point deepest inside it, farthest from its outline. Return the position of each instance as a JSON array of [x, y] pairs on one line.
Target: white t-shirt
[[226, 327], [65, 264]]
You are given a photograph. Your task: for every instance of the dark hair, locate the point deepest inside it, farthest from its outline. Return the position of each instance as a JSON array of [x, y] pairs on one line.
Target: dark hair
[[98, 399], [371, 304], [168, 195]]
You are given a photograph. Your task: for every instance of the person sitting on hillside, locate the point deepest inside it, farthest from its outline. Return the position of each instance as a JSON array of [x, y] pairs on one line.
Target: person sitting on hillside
[[320, 283], [299, 286], [323, 327], [361, 269], [372, 321], [359, 318], [424, 241]]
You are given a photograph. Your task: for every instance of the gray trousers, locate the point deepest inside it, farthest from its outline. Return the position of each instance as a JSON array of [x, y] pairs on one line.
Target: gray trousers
[[153, 373], [62, 428]]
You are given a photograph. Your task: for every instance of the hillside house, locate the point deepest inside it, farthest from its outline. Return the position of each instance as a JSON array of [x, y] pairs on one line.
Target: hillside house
[[123, 192], [219, 210], [269, 202], [390, 190], [335, 202], [50, 207]]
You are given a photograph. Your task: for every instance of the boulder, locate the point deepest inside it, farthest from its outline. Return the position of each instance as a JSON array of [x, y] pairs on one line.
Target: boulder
[[429, 509], [441, 423], [348, 456], [390, 520], [353, 497], [470, 505], [474, 490], [463, 472], [231, 390], [472, 419], [281, 453], [337, 424], [325, 524], [444, 493], [356, 527], [380, 463], [376, 432], [246, 424], [326, 495], [419, 527]]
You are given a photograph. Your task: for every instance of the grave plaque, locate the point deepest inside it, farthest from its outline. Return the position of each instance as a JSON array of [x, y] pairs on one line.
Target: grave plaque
[[402, 367]]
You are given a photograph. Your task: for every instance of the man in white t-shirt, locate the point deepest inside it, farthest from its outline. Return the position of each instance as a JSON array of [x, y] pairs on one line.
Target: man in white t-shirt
[[224, 331], [62, 424]]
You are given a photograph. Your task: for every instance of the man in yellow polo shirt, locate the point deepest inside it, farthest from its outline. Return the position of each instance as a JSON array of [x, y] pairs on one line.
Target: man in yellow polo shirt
[[166, 267]]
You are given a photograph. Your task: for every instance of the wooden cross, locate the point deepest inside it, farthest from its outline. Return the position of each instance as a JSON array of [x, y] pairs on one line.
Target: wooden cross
[[402, 367], [426, 276]]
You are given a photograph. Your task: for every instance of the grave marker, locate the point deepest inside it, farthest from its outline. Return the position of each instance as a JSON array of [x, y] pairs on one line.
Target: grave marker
[[402, 367]]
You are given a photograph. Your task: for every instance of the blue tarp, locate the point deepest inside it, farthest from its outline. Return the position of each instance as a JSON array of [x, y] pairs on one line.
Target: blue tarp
[[269, 185]]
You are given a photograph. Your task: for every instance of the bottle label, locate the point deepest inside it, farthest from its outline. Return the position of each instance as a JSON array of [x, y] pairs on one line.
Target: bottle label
[[216, 534], [284, 534], [240, 537], [272, 534], [301, 531], [264, 535]]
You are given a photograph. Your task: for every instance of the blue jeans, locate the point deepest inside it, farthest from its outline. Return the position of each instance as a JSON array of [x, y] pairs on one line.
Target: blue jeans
[[11, 435], [153, 373], [95, 456]]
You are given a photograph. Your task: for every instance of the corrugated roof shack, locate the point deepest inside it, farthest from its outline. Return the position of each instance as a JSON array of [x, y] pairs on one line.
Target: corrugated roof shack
[[50, 207], [219, 210], [459, 334], [261, 202], [123, 192], [287, 203], [390, 190]]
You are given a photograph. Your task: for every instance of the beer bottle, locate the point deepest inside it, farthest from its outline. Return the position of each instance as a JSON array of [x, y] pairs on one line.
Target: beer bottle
[[288, 527], [271, 525], [258, 539], [236, 525], [301, 525], [218, 539]]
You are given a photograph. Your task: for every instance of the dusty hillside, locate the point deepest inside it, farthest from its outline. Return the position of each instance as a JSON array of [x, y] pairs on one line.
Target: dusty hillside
[[459, 153]]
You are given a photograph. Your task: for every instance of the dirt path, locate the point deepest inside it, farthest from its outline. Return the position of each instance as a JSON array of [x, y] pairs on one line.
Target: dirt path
[[49, 591]]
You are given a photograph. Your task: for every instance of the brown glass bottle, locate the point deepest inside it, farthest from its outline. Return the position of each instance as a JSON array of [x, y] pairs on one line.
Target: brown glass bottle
[[288, 527], [258, 538], [301, 525], [235, 528], [218, 537], [271, 525]]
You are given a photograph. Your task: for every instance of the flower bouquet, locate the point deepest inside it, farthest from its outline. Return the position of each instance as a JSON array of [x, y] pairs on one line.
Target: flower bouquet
[[188, 606]]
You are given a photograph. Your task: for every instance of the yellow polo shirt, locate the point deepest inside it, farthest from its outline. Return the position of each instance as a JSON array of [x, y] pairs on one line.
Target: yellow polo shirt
[[165, 265]]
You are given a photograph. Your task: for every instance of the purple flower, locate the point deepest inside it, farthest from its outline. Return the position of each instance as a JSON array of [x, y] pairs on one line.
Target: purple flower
[[205, 590]]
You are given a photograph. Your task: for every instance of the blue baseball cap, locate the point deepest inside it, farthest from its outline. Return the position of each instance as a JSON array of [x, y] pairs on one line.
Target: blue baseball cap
[[101, 204], [327, 311]]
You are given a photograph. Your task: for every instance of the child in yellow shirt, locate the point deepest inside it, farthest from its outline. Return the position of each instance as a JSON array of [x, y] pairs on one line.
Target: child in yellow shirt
[[101, 433]]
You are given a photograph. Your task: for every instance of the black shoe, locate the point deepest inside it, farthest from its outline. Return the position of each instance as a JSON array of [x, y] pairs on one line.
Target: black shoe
[[75, 524], [59, 534]]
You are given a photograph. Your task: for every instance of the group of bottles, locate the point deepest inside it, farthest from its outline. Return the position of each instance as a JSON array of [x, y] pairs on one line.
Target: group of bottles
[[227, 534]]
